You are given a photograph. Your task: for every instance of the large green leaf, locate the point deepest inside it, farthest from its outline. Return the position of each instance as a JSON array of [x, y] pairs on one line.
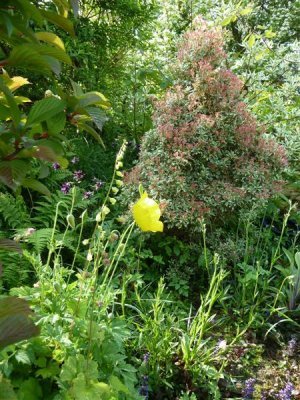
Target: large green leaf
[[91, 98], [45, 109], [15, 324], [60, 21], [30, 11], [57, 123], [98, 116], [34, 184], [85, 127], [28, 57]]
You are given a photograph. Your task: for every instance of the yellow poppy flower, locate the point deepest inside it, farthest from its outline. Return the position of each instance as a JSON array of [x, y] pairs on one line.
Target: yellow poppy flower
[[146, 214]]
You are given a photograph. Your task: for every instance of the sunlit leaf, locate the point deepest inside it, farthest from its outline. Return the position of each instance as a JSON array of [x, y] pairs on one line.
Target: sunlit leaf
[[16, 82], [226, 21], [90, 98], [51, 38], [251, 40], [246, 11], [269, 34]]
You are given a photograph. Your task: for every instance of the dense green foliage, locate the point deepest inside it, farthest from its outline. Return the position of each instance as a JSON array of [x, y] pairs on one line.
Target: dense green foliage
[[207, 309]]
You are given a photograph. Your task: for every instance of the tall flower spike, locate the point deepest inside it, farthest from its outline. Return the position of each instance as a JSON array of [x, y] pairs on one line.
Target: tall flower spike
[[146, 213]]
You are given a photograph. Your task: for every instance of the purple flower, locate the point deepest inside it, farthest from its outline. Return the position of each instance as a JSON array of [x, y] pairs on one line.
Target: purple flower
[[249, 388], [286, 392], [146, 358], [75, 160], [65, 187], [78, 176], [144, 388], [55, 166], [98, 184], [87, 195]]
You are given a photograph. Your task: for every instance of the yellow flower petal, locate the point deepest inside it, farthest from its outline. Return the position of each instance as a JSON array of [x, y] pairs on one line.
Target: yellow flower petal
[[146, 214]]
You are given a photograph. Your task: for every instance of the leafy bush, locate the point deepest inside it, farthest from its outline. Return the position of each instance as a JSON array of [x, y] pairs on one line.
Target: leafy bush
[[206, 157]]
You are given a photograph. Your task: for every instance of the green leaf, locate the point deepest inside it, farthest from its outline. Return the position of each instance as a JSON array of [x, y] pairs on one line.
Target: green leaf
[[90, 98], [4, 112], [60, 21], [30, 11], [117, 385], [30, 389], [14, 109], [297, 259], [98, 116], [76, 89], [45, 109], [57, 123], [82, 389], [34, 184], [37, 56], [85, 127], [22, 357], [6, 390], [28, 57]]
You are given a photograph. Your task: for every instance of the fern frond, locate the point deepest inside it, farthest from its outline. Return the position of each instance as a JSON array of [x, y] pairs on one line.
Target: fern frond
[[13, 211], [40, 239], [16, 270]]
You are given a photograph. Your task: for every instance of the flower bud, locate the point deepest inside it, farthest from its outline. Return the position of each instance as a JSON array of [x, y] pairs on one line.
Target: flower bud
[[71, 220], [84, 216], [112, 200], [105, 210], [99, 216], [89, 256], [119, 183]]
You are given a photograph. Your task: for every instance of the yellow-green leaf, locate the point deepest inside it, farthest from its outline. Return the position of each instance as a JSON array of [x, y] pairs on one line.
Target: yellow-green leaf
[[251, 40], [246, 11], [51, 38], [269, 34], [226, 21], [16, 82]]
